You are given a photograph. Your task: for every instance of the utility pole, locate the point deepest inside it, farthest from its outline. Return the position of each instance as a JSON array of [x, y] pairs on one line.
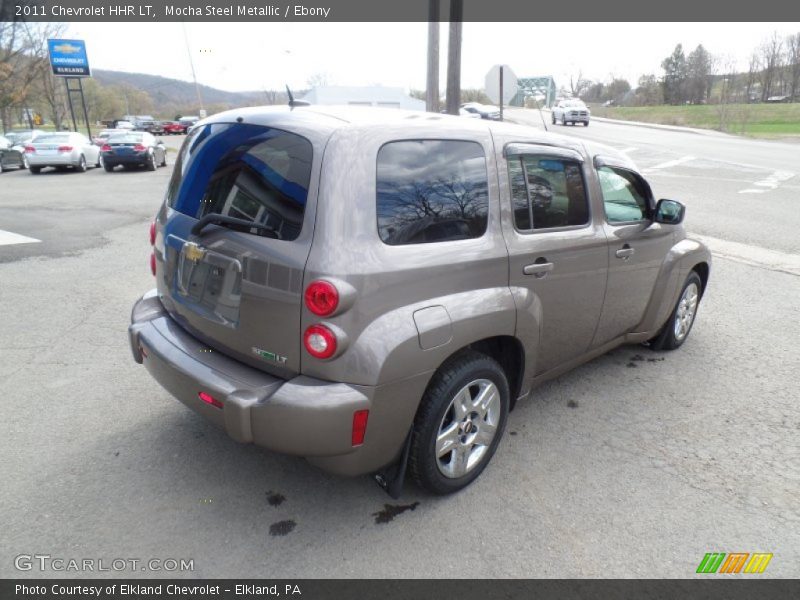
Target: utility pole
[[432, 87], [191, 64], [454, 57]]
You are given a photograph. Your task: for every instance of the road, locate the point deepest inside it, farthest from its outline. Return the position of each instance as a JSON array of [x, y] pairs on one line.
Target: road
[[736, 189], [634, 465]]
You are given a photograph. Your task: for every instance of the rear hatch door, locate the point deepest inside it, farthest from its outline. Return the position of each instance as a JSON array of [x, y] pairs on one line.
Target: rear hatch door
[[233, 239]]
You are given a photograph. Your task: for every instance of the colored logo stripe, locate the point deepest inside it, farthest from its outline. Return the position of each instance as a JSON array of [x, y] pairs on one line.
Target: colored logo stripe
[[711, 562], [734, 562], [758, 563]]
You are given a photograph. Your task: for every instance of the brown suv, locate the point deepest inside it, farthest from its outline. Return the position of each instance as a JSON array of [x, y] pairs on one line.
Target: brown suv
[[375, 289]]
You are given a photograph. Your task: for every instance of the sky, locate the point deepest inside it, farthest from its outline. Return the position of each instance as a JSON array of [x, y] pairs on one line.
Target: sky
[[265, 56]]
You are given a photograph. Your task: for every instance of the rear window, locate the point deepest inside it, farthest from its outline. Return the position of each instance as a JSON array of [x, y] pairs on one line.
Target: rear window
[[249, 172], [52, 138], [125, 138], [431, 191]]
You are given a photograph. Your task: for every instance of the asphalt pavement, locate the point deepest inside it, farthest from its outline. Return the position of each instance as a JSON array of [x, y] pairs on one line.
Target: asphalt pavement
[[634, 465]]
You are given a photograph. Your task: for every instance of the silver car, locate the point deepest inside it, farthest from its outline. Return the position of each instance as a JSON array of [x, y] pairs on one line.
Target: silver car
[[62, 150]]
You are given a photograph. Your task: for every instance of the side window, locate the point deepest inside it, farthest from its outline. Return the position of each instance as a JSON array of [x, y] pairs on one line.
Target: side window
[[547, 192], [624, 195], [431, 191]]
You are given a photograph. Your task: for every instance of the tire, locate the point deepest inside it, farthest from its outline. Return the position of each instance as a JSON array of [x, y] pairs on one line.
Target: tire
[[151, 164], [164, 161], [1, 166], [99, 162], [25, 164], [35, 170], [681, 319], [586, 123], [442, 423], [553, 117], [108, 167], [81, 168]]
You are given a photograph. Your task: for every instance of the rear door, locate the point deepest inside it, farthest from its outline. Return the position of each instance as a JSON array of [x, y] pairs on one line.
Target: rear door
[[238, 286], [557, 252]]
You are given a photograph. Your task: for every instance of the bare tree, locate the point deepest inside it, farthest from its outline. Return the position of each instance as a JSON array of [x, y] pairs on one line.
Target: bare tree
[[793, 64], [771, 54], [578, 86]]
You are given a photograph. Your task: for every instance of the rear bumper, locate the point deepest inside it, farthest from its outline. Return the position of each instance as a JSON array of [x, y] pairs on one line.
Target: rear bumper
[[302, 416], [52, 160], [133, 159]]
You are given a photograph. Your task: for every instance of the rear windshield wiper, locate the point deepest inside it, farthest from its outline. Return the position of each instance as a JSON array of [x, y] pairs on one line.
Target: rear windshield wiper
[[219, 219]]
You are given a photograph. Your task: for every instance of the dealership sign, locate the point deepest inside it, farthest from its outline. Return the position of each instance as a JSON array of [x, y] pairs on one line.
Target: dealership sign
[[68, 58]]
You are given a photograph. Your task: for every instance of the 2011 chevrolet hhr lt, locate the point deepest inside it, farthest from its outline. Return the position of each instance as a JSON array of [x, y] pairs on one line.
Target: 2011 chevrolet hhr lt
[[374, 289]]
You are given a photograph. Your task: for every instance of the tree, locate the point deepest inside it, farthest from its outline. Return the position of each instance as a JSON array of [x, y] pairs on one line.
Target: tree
[[578, 85], [793, 64], [617, 89], [771, 55], [698, 71], [649, 92], [675, 71]]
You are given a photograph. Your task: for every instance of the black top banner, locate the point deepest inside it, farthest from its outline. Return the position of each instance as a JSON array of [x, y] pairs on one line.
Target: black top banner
[[396, 11]]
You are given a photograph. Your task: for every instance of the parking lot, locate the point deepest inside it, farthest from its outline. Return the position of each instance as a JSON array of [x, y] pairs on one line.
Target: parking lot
[[634, 465]]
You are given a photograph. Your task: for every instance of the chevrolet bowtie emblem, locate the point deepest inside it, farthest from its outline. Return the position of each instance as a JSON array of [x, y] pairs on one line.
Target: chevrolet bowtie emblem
[[193, 252]]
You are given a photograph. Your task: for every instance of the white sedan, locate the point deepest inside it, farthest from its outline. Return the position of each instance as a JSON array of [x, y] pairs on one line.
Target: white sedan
[[61, 150]]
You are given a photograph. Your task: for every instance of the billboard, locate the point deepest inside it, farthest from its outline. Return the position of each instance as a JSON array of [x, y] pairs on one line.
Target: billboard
[[68, 58]]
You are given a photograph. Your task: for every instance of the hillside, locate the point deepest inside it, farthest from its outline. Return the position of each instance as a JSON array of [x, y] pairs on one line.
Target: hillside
[[171, 94]]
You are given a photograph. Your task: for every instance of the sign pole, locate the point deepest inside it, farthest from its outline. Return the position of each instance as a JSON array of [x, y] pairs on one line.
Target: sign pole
[[85, 112], [501, 92], [69, 99]]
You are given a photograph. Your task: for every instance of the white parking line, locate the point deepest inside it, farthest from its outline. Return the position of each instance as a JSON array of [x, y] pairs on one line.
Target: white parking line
[[671, 163], [769, 183], [7, 238]]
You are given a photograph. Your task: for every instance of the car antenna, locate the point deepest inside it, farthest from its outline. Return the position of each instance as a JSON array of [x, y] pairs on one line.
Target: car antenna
[[293, 102], [544, 123]]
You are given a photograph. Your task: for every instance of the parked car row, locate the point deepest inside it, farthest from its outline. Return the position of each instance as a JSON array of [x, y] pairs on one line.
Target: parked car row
[[36, 150]]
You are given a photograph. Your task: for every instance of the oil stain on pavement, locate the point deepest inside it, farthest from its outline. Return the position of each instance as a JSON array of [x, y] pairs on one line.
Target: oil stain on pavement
[[274, 498], [282, 528], [390, 511]]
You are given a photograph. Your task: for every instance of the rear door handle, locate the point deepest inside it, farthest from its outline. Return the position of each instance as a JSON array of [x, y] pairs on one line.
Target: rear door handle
[[625, 252], [539, 269]]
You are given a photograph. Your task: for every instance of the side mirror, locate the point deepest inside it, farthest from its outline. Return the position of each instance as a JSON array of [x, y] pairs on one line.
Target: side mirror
[[669, 212]]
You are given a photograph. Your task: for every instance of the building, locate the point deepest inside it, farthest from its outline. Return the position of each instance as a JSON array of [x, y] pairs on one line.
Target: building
[[388, 97]]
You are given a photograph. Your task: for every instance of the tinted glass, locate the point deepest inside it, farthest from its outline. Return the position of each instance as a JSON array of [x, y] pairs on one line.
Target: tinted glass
[[624, 195], [125, 138], [244, 171], [553, 195], [431, 191], [53, 138]]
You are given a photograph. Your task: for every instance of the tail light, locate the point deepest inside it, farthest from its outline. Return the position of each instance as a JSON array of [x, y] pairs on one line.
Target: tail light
[[319, 341], [140, 148], [322, 297], [30, 150], [105, 148], [153, 263], [359, 426], [209, 399], [153, 233], [65, 148]]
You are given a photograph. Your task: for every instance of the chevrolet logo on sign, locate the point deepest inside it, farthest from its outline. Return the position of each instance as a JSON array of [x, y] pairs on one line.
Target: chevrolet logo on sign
[[67, 48], [193, 252]]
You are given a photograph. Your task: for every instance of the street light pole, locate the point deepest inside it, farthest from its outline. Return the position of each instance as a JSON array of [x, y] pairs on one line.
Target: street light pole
[[454, 57], [432, 87]]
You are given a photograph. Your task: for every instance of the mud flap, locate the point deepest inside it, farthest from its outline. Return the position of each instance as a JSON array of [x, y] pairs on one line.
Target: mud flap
[[392, 477]]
